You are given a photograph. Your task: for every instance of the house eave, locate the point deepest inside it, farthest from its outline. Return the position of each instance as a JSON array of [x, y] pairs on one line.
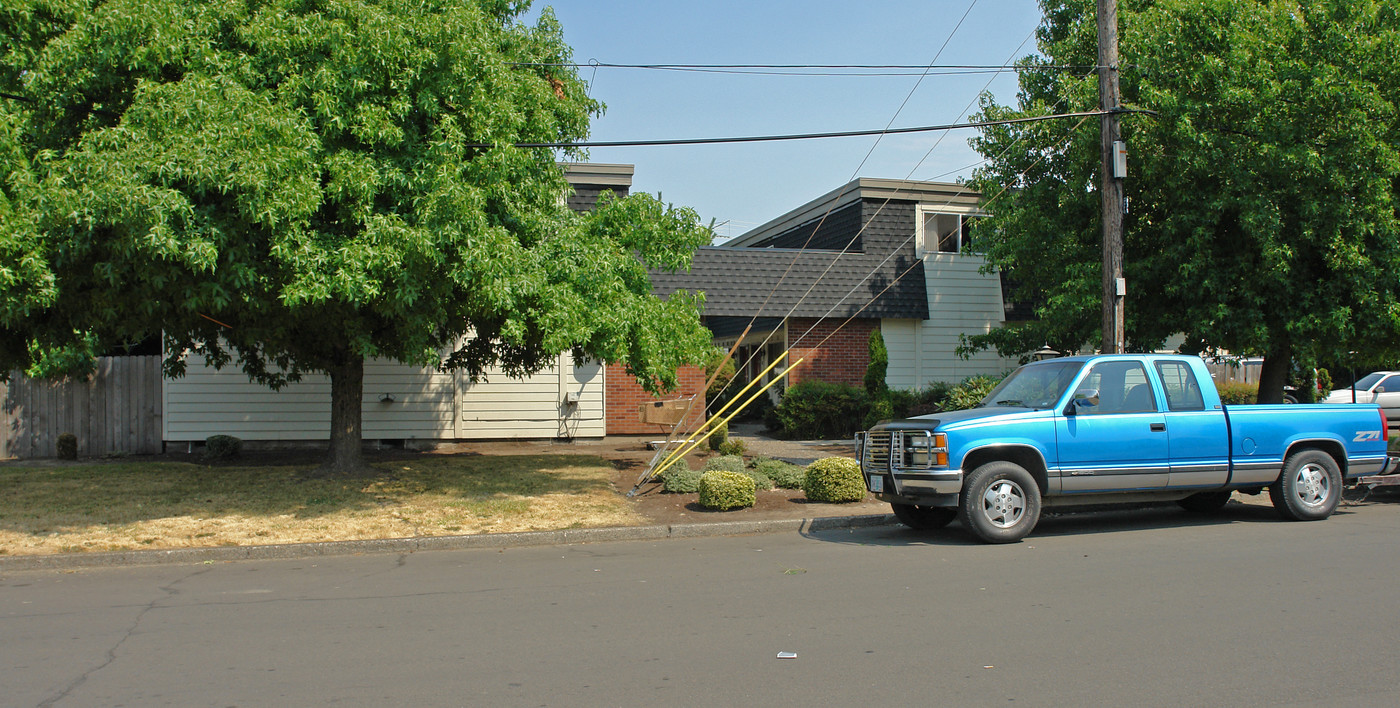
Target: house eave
[[922, 192]]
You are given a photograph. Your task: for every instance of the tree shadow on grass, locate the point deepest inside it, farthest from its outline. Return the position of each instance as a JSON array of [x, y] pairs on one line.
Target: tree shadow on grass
[[46, 499]]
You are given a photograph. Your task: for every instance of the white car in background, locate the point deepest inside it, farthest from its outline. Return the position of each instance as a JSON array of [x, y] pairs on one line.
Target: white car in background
[[1380, 387]]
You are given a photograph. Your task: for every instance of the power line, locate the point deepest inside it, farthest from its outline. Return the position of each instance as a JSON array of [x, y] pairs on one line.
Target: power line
[[820, 70], [807, 136]]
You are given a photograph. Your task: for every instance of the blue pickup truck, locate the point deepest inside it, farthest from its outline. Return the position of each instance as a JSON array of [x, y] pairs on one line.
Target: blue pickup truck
[[1114, 428]]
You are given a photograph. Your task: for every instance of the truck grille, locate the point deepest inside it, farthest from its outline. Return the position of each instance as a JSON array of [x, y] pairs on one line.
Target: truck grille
[[894, 450], [875, 456]]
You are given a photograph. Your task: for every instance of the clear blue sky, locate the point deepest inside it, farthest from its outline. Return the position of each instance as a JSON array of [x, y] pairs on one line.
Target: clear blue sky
[[744, 185]]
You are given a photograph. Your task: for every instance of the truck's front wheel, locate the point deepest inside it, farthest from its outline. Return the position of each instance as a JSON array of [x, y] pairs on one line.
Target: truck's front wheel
[[924, 518], [1309, 488], [1000, 502]]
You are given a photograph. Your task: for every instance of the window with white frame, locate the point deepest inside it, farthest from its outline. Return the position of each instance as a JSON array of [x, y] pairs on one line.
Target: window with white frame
[[941, 232]]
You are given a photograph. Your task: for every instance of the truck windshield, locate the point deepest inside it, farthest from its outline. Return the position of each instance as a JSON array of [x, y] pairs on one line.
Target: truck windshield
[[1037, 385]]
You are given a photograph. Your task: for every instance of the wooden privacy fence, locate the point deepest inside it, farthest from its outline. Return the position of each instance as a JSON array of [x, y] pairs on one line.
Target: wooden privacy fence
[[116, 410], [1237, 371]]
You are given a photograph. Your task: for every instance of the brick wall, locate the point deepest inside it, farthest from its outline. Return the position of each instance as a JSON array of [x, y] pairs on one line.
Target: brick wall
[[843, 357], [623, 395]]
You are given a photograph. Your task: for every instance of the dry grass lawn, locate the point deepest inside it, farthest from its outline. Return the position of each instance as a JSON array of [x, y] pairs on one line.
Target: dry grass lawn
[[129, 505]]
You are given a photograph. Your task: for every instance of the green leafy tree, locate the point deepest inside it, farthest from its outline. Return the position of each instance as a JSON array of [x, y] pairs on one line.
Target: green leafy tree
[[1262, 196], [298, 185]]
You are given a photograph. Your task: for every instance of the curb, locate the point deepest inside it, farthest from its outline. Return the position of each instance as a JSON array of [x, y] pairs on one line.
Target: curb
[[565, 537]]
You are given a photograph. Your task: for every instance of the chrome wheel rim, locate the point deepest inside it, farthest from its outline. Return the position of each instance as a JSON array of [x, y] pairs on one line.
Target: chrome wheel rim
[[1004, 503], [1312, 485]]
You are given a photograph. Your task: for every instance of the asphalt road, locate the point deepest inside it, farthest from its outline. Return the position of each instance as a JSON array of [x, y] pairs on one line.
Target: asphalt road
[[1148, 607]]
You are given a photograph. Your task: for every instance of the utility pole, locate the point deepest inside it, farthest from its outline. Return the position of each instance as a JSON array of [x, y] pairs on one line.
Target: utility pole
[[1113, 170]]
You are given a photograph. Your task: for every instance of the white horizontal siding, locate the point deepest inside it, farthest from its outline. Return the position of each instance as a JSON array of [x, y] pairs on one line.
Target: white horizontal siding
[[426, 404], [961, 301], [901, 341]]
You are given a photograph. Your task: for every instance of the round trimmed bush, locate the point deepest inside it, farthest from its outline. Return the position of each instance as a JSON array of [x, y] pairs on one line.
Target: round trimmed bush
[[726, 463], [834, 480], [726, 490], [222, 447], [720, 436], [732, 446], [680, 479], [67, 445]]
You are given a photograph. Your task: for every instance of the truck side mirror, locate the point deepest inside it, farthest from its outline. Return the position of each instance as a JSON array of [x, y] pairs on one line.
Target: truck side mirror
[[1086, 397]]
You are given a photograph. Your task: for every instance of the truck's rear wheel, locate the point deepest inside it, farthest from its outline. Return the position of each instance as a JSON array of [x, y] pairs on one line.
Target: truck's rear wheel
[[924, 518], [1000, 502], [1309, 488]]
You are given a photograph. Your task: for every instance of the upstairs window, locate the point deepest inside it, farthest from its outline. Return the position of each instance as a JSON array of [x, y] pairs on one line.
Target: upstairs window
[[943, 232]]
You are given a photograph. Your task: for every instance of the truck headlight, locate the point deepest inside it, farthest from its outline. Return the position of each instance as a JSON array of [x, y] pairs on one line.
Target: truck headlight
[[926, 449]]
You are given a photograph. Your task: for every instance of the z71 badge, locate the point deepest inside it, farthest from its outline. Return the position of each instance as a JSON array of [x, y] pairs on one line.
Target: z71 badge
[[1367, 436]]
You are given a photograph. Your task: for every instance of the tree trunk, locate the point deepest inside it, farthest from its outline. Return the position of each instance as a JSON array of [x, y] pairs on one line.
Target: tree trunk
[[1274, 373], [347, 393]]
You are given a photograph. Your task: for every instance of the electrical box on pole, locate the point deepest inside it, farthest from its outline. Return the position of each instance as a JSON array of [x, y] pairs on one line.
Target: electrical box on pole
[[1120, 159]]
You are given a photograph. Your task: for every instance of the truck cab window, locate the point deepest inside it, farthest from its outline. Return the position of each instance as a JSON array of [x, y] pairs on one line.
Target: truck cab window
[[1183, 391]]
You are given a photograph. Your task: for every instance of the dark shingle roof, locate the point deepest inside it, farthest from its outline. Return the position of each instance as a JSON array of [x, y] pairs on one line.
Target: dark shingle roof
[[737, 281]]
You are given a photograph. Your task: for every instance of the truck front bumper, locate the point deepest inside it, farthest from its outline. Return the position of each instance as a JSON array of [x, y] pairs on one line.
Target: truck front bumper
[[911, 486]]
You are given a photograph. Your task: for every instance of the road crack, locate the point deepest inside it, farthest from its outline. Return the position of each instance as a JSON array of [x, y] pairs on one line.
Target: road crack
[[170, 590]]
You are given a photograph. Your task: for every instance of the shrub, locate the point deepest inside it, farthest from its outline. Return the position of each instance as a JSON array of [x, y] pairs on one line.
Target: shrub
[[760, 480], [834, 480], [725, 463], [726, 373], [1324, 381], [930, 399], [759, 410], [726, 490], [879, 365], [67, 444], [720, 437], [880, 409], [1236, 393], [784, 474], [680, 479], [222, 447], [970, 392], [770, 419], [817, 409], [895, 403], [734, 446]]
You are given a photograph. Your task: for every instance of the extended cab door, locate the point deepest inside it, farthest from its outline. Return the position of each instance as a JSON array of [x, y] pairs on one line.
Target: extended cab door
[[1198, 439], [1119, 443]]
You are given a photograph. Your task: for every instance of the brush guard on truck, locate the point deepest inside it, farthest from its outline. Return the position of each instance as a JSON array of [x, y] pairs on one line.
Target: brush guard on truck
[[906, 464]]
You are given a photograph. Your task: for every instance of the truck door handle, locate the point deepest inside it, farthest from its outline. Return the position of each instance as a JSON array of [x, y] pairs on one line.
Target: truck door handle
[[1159, 427]]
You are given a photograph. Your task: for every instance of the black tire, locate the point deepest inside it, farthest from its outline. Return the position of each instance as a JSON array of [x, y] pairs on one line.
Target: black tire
[[1000, 502], [1309, 488], [1205, 502], [924, 518]]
